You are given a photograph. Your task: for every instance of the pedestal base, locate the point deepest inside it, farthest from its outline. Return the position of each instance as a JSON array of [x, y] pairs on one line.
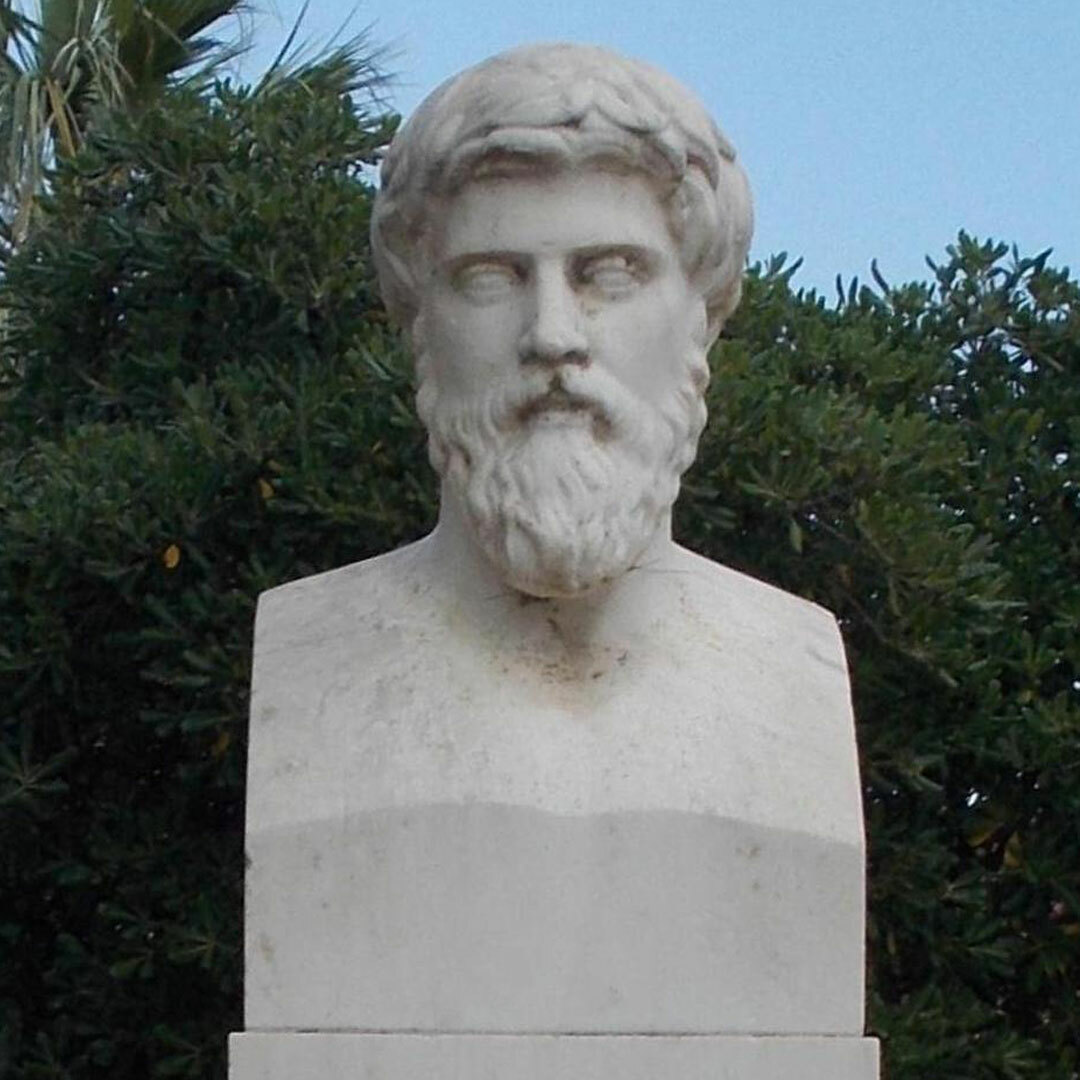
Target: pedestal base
[[344, 1056]]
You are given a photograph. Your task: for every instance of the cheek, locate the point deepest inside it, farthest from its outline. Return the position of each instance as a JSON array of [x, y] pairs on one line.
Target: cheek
[[637, 339], [469, 348]]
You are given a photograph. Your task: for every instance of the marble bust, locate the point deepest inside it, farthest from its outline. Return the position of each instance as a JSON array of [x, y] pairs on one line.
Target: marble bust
[[545, 773], [562, 233]]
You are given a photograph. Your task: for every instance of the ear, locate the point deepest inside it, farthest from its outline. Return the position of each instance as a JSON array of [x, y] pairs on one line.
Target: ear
[[705, 328], [417, 332], [714, 326], [723, 304]]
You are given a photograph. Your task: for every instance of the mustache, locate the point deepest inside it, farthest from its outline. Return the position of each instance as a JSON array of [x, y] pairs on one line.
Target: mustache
[[610, 406]]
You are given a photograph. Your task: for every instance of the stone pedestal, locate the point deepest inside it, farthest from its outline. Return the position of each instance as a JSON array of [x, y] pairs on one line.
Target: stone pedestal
[[548, 1057], [511, 850], [545, 796]]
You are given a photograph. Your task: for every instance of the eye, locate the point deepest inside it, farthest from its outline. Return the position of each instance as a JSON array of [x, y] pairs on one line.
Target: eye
[[486, 282], [613, 275]]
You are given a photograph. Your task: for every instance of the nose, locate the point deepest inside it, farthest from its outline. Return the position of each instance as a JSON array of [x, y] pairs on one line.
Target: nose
[[554, 334]]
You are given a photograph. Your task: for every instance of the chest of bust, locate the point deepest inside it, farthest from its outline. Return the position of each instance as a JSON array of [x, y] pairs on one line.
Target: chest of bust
[[550, 829]]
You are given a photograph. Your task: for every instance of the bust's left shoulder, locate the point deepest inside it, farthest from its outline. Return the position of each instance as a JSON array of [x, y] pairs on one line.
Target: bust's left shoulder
[[757, 611]]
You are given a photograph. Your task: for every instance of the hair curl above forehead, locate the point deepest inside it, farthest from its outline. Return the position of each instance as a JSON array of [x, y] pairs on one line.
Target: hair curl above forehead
[[555, 107]]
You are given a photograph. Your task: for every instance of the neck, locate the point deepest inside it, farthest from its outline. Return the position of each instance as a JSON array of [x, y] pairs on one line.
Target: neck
[[473, 582]]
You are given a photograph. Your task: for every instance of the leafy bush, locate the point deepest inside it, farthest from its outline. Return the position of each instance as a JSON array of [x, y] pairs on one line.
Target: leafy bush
[[909, 459], [200, 399]]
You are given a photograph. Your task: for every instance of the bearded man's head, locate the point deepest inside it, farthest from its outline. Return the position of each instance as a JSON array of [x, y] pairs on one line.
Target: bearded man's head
[[563, 232]]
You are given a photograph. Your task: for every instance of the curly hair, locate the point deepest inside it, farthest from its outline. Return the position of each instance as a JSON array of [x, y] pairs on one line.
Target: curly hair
[[557, 107]]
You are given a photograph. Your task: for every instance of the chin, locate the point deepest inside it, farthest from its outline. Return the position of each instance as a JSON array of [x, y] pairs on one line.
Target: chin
[[548, 583], [564, 516]]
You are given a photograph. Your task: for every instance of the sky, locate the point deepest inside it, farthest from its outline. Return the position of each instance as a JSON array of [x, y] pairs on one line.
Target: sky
[[869, 130]]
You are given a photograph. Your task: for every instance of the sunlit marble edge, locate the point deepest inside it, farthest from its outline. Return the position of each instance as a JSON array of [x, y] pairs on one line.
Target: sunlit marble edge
[[398, 1056]]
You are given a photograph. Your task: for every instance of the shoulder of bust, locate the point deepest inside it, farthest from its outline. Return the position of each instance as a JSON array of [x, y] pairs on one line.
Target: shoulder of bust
[[753, 605], [335, 601]]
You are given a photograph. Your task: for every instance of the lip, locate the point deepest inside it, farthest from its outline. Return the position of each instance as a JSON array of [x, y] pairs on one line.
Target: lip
[[561, 418], [556, 402], [559, 408]]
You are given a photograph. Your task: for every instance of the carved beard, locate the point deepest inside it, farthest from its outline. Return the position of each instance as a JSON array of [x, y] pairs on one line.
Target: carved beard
[[565, 475]]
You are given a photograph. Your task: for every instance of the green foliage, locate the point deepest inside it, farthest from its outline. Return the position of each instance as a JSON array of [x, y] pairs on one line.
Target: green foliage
[[910, 461], [78, 59], [199, 399]]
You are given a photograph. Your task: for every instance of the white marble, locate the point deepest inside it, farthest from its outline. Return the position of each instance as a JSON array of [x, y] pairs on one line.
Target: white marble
[[479, 1057], [504, 814], [545, 772]]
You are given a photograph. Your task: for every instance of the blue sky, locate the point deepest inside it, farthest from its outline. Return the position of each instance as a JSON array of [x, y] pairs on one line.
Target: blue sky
[[868, 130]]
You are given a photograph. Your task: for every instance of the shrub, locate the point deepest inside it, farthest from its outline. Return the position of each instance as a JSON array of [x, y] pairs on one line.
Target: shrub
[[909, 459], [200, 399]]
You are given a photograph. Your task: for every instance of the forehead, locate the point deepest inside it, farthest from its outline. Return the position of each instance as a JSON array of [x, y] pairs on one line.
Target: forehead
[[549, 214]]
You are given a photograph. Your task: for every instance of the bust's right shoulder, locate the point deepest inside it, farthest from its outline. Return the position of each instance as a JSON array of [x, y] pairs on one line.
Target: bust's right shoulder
[[336, 603]]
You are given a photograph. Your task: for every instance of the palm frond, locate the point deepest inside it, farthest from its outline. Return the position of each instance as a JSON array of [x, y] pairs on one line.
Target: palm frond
[[158, 42], [81, 57], [345, 66]]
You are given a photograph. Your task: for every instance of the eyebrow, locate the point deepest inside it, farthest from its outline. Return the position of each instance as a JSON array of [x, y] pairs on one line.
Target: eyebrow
[[643, 252], [466, 258]]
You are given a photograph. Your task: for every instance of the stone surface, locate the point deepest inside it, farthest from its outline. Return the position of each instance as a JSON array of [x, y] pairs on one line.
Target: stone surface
[[545, 772], [648, 821], [479, 1057]]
